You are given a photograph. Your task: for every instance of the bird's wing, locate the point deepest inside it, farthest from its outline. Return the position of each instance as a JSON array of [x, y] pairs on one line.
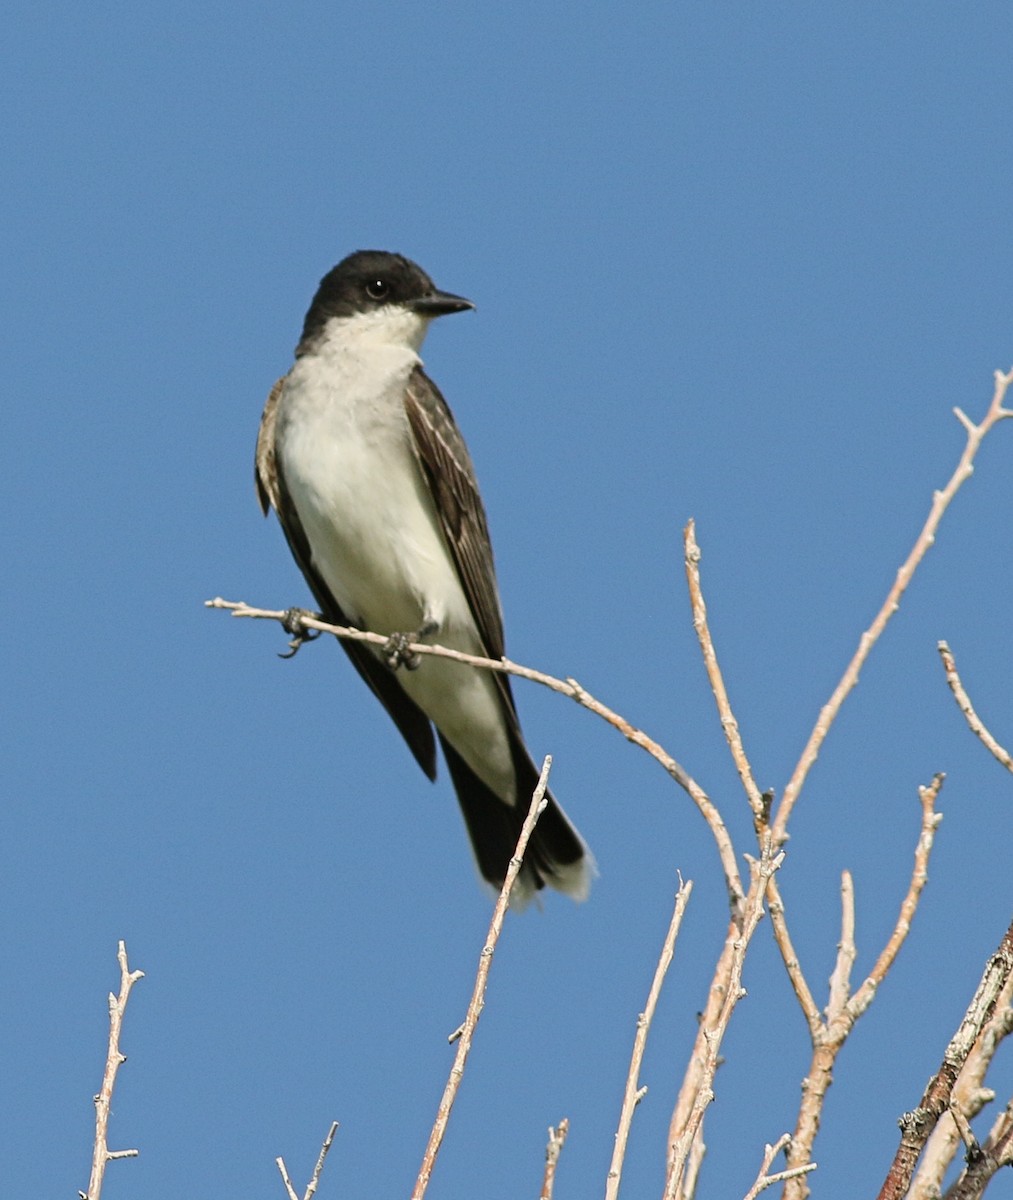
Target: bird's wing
[[271, 491], [448, 468]]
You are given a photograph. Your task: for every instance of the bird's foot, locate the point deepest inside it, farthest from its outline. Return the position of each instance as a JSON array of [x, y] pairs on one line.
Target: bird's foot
[[395, 650], [294, 623]]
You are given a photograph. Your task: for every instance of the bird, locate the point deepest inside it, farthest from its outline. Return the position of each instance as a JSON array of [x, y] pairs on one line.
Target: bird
[[360, 456]]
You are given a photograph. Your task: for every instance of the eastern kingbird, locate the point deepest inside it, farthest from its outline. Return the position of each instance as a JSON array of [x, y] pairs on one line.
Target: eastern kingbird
[[375, 490]]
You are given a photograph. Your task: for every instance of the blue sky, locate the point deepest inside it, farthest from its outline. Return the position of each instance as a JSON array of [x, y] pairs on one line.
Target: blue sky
[[735, 262]]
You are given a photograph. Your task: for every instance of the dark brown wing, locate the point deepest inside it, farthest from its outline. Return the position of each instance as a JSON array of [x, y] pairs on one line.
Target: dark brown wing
[[447, 465], [404, 712]]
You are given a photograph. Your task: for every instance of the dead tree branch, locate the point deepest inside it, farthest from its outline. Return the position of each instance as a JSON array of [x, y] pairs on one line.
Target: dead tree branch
[[553, 1150], [633, 1093], [311, 1187], [975, 723], [917, 1125], [102, 1155]]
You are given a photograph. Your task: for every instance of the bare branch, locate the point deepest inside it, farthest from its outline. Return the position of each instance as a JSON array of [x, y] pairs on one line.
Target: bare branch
[[565, 687], [969, 1097], [633, 1092], [829, 1035], [289, 1189], [810, 1009], [710, 658], [940, 502], [311, 1187], [840, 979], [552, 1151], [114, 1059], [466, 1034], [976, 724], [919, 877], [918, 1124]]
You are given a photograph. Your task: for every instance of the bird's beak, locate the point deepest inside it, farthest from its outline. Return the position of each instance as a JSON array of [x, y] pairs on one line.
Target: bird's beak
[[439, 304]]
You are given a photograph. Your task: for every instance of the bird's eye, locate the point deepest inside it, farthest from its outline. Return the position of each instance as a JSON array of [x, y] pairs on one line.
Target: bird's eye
[[376, 289]]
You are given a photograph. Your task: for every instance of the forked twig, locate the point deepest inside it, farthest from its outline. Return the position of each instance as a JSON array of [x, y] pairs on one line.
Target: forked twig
[[764, 1180], [828, 1034], [114, 1060], [466, 1033], [311, 1187]]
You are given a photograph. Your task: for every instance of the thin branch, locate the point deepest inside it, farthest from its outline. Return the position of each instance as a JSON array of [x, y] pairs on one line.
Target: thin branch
[[710, 658], [633, 1092], [565, 687], [311, 1187], [289, 1189], [466, 1033], [916, 1126], [726, 991], [909, 905], [847, 952], [940, 502], [976, 724], [557, 1137], [796, 976], [114, 1059], [765, 1180]]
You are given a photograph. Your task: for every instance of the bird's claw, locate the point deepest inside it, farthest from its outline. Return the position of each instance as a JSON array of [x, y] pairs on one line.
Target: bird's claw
[[395, 651], [294, 623]]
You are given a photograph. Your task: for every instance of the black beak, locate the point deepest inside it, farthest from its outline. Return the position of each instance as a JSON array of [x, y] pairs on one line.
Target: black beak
[[439, 304]]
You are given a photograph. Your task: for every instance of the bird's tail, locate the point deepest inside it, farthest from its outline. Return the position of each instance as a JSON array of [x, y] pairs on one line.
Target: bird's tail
[[556, 856]]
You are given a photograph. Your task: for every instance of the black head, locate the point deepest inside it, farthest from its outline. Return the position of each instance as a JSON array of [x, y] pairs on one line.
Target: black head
[[372, 279]]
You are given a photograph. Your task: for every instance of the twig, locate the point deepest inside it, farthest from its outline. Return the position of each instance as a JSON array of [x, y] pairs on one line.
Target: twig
[[114, 1059], [763, 1180], [861, 1000], [467, 1031], [726, 991], [710, 659], [976, 724], [290, 1190], [552, 1151], [311, 1187], [919, 1123], [633, 1092], [940, 502], [847, 952], [565, 687]]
